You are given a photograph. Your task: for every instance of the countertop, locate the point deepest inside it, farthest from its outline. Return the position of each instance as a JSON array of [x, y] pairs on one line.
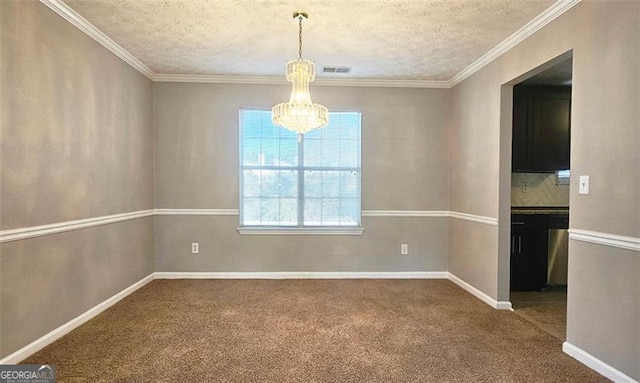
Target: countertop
[[539, 210]]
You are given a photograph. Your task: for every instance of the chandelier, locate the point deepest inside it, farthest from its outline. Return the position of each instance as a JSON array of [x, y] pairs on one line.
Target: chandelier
[[300, 114]]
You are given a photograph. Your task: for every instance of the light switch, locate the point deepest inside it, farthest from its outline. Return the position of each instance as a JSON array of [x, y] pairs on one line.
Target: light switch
[[584, 185]]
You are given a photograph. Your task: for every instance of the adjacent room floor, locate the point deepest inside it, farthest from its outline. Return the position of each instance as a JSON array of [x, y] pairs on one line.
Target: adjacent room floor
[[546, 310], [309, 331]]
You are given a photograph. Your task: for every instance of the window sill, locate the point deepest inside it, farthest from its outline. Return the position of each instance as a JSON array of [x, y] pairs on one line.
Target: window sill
[[300, 231]]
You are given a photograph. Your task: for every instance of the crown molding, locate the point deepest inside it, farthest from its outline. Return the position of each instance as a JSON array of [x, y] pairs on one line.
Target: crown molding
[[534, 25], [90, 30], [219, 79], [530, 28], [280, 80]]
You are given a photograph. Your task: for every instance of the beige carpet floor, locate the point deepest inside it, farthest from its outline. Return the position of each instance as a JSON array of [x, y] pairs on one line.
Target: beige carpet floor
[[309, 331]]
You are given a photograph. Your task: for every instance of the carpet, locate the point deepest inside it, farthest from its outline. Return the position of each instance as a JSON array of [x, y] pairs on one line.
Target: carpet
[[308, 331]]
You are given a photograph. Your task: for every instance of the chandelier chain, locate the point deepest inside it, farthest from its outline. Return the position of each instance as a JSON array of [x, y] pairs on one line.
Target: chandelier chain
[[300, 37]]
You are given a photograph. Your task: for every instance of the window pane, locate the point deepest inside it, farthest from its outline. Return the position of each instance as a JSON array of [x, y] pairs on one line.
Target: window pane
[[331, 184], [251, 186], [312, 183], [270, 153], [332, 130], [251, 211], [288, 183], [285, 134], [251, 124], [315, 134], [349, 212], [312, 152], [288, 152], [349, 153], [269, 186], [251, 151], [330, 153], [312, 211], [350, 129], [289, 211], [331, 212], [270, 211], [269, 131], [349, 182]]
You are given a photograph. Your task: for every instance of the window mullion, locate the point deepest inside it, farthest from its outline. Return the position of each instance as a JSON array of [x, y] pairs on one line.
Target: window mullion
[[301, 181]]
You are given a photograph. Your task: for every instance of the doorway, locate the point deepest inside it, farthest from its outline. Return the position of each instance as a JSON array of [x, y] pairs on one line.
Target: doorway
[[538, 189]]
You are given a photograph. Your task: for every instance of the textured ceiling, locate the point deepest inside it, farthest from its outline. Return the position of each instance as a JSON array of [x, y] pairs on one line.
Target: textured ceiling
[[408, 40]]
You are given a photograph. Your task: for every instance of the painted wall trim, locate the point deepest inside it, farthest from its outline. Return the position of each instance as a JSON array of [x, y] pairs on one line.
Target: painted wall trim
[[300, 231], [321, 81], [613, 240], [474, 218], [596, 364], [498, 305], [365, 213], [90, 30], [305, 275], [59, 227], [196, 212], [530, 28], [405, 213], [66, 328], [534, 25]]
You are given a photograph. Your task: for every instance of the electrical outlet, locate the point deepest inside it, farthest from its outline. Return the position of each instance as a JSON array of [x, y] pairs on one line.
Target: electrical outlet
[[404, 249], [195, 248]]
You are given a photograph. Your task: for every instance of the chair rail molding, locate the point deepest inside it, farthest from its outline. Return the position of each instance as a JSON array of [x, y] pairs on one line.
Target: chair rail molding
[[606, 239], [59, 227]]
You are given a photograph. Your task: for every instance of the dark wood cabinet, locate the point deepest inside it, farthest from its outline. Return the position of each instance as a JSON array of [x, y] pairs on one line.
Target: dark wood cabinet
[[530, 248], [528, 252], [541, 128]]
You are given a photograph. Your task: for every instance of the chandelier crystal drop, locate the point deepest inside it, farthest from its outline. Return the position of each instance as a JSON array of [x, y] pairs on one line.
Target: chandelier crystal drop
[[300, 114]]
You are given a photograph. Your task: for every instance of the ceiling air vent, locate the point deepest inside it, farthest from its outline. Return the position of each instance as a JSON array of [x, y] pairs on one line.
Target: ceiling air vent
[[336, 69]]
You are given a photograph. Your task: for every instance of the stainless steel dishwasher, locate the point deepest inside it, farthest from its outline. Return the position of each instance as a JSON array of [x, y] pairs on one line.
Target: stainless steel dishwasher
[[558, 260]]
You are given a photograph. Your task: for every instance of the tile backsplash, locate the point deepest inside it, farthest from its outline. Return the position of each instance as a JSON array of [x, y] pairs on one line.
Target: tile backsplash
[[538, 189]]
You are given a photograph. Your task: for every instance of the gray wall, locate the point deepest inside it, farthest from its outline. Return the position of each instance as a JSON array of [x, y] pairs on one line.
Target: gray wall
[[77, 142], [604, 37], [404, 156]]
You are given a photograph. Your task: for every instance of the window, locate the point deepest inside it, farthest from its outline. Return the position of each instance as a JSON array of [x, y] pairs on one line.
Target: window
[[303, 184]]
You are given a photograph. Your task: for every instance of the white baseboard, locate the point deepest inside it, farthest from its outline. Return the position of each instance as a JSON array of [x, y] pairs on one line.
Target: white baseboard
[[498, 305], [596, 364], [66, 328], [304, 275]]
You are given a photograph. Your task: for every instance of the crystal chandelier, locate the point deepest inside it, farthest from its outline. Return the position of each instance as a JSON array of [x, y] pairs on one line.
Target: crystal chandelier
[[300, 114]]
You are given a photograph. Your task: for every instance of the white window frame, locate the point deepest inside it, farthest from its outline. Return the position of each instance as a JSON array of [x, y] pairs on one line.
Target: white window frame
[[300, 168]]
